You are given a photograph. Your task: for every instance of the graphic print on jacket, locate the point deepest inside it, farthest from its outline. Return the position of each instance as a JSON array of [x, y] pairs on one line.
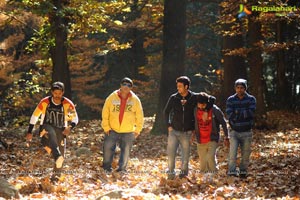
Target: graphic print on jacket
[[54, 115], [117, 105]]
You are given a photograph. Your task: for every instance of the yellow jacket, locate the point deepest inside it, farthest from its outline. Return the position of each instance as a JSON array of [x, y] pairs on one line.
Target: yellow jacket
[[133, 118]]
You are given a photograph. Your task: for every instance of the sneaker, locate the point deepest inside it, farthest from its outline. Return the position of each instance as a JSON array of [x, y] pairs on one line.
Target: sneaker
[[54, 179], [183, 174], [171, 176], [243, 176], [59, 162], [234, 174], [121, 170]]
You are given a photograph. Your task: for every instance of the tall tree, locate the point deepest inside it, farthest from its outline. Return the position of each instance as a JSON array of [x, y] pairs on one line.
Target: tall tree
[[232, 42], [133, 57], [58, 52], [174, 32], [233, 65], [256, 63], [282, 83]]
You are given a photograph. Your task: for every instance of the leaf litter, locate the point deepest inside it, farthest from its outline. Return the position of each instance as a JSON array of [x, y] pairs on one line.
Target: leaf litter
[[274, 171]]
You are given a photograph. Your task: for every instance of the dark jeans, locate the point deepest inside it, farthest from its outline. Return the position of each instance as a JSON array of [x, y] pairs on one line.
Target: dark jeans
[[54, 139], [110, 141]]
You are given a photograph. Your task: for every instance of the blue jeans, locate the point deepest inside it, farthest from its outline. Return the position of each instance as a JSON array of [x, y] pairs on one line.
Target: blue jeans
[[175, 139], [242, 139], [110, 141]]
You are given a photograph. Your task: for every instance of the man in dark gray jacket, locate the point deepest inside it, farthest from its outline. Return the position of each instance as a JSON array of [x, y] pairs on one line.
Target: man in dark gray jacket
[[208, 118]]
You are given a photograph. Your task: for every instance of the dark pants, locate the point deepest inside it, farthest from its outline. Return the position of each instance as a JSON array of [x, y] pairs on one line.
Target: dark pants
[[54, 139]]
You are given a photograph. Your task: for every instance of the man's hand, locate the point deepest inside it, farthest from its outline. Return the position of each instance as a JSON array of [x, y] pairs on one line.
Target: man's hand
[[193, 138], [226, 142], [67, 131], [43, 132], [107, 132], [136, 134]]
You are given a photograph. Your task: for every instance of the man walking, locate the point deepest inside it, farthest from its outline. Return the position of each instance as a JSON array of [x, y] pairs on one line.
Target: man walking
[[58, 117], [208, 118], [179, 116], [240, 109], [122, 121]]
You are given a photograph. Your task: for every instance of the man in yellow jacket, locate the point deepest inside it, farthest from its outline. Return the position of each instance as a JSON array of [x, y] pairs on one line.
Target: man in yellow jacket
[[122, 121]]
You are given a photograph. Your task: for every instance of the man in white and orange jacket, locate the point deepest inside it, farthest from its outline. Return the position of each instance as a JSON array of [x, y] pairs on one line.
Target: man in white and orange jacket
[[122, 121], [57, 116]]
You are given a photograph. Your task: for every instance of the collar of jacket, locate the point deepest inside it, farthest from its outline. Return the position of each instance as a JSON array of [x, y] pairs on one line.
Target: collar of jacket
[[188, 96]]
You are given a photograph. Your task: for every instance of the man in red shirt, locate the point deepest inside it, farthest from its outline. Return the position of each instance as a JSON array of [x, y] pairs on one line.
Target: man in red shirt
[[208, 118]]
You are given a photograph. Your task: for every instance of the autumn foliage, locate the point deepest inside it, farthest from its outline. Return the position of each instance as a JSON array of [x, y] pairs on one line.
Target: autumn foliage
[[274, 169]]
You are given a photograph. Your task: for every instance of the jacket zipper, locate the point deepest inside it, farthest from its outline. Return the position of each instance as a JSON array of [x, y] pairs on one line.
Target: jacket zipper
[[183, 114]]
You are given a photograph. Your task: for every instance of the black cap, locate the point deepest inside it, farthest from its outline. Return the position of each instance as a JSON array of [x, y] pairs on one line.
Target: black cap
[[202, 98], [127, 80], [58, 86]]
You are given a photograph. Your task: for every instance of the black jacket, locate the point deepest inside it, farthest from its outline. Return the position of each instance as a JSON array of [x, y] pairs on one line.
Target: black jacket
[[179, 112]]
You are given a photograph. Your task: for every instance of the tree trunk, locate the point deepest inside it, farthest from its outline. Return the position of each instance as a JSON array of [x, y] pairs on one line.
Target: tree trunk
[[58, 53], [256, 66], [234, 66], [292, 61], [174, 32], [132, 58], [282, 90]]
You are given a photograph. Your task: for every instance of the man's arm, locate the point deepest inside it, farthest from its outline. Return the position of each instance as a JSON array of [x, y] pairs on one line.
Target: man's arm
[[249, 112], [221, 119], [139, 117], [211, 102], [105, 116], [34, 118], [229, 109], [167, 111], [71, 116]]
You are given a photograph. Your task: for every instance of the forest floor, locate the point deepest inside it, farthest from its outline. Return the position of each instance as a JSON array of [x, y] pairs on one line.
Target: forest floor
[[274, 168]]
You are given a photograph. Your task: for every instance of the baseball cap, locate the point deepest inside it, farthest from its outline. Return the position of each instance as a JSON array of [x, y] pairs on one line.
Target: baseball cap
[[127, 80], [58, 86]]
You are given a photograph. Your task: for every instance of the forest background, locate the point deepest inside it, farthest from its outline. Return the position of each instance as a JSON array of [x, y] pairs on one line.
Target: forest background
[[92, 45]]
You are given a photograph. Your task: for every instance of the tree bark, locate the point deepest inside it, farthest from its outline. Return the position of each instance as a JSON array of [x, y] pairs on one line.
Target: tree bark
[[174, 32], [59, 53], [256, 65], [282, 90], [234, 66]]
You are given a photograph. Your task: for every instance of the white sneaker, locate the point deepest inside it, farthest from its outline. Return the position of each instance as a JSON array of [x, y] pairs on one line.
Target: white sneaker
[[59, 161]]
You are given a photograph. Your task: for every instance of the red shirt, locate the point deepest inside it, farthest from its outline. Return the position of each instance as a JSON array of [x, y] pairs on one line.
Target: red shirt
[[204, 119], [122, 106]]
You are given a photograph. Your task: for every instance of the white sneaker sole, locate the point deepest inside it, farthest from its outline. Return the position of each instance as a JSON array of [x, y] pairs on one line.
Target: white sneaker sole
[[59, 161]]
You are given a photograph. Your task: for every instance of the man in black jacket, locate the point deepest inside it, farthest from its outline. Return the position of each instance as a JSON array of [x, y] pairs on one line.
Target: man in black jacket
[[179, 116]]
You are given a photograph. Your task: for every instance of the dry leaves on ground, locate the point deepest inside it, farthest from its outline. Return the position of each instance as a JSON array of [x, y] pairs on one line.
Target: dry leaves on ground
[[274, 169]]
